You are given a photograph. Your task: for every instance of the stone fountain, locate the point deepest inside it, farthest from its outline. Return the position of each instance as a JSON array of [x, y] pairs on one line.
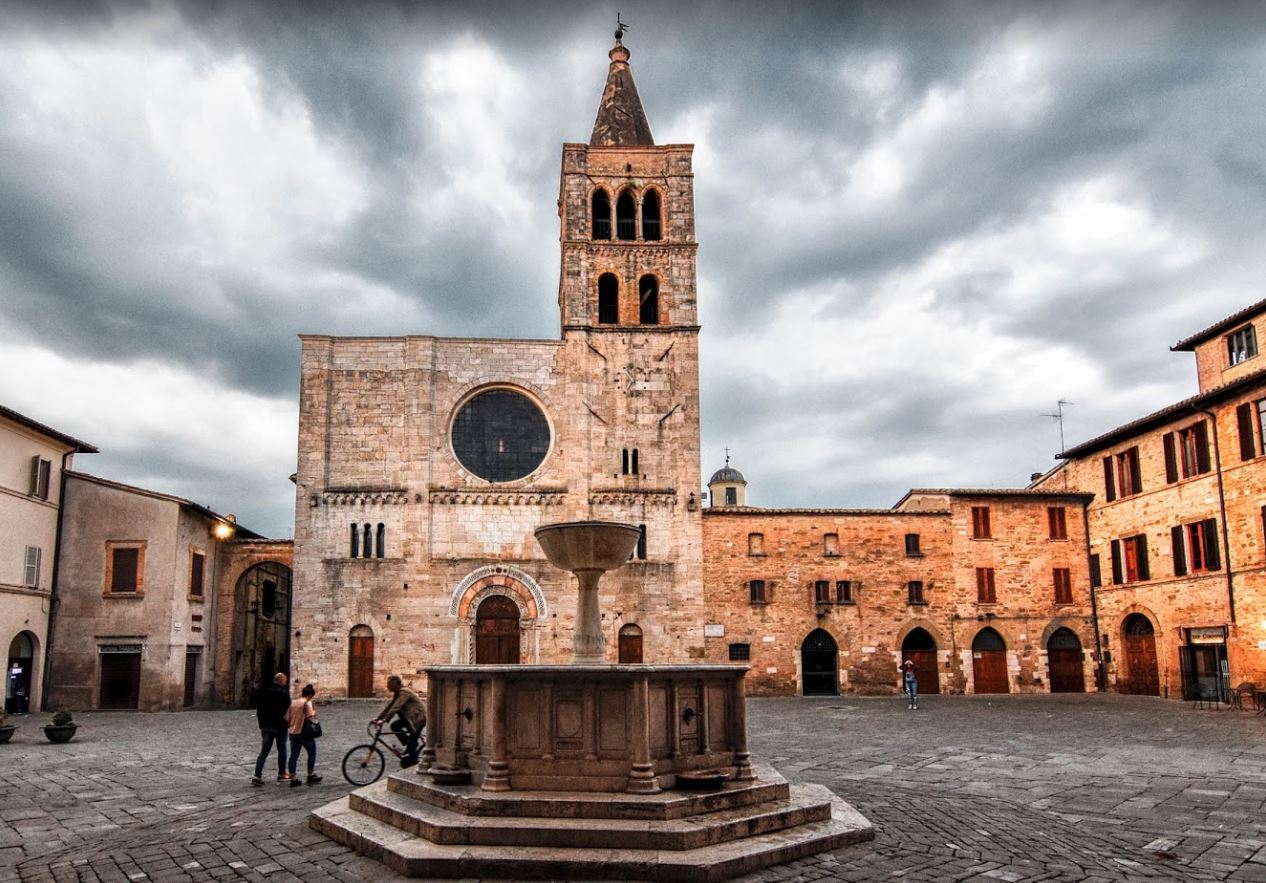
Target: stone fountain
[[588, 770]]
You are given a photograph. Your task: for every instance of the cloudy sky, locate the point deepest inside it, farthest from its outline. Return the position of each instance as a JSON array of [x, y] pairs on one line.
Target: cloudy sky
[[921, 225]]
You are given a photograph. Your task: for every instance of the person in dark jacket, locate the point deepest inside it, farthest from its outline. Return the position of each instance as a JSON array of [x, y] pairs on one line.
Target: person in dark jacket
[[410, 716], [271, 714]]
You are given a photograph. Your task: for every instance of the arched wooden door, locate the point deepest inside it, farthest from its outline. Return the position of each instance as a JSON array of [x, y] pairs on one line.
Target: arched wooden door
[[1139, 640], [819, 664], [1064, 662], [989, 662], [497, 631], [630, 645], [19, 673], [919, 647], [360, 662]]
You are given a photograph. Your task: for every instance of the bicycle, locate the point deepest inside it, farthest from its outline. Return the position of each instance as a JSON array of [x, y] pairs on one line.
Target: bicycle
[[364, 764]]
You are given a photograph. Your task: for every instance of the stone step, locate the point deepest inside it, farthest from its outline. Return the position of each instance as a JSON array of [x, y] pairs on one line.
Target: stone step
[[471, 800], [807, 803], [414, 856]]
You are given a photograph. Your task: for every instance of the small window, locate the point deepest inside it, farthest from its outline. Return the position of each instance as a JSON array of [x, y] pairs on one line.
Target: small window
[[628, 462], [822, 591], [41, 472], [1129, 560], [1193, 447], [125, 569], [985, 589], [756, 591], [844, 592], [367, 542], [197, 569], [1129, 481], [914, 592], [731, 496], [912, 545], [1261, 424], [648, 300], [831, 544], [600, 212], [626, 216], [1241, 345], [355, 550], [380, 541], [641, 542], [756, 544], [650, 216], [1063, 580], [980, 528], [740, 652], [608, 299], [1199, 553], [1057, 521], [31, 570], [1096, 572]]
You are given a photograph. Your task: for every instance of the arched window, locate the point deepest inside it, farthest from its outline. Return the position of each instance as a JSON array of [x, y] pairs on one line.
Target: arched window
[[633, 459], [641, 542], [650, 215], [367, 543], [381, 540], [600, 213], [648, 297], [355, 541], [608, 299], [626, 216]]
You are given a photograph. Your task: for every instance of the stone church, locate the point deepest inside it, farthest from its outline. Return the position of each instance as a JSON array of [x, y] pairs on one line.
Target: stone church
[[426, 463]]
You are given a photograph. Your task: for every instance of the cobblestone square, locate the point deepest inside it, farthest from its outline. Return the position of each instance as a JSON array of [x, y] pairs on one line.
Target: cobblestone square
[[1005, 788]]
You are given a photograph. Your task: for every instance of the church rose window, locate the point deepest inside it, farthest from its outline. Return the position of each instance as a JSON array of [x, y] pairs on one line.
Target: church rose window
[[500, 435]]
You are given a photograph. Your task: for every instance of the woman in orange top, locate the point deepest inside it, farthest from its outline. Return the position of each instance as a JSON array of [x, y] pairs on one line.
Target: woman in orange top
[[299, 718]]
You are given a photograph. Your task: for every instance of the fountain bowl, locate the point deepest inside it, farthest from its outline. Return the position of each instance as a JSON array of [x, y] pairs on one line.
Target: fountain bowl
[[588, 545]]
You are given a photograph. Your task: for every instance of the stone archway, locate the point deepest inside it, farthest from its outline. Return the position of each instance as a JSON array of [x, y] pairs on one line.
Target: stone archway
[[1065, 662], [510, 583], [1138, 643], [497, 631], [919, 647], [819, 664], [261, 639], [20, 672], [989, 662]]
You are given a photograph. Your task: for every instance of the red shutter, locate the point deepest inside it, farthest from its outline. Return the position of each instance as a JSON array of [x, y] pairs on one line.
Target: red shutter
[[1180, 554], [1171, 458], [1248, 441]]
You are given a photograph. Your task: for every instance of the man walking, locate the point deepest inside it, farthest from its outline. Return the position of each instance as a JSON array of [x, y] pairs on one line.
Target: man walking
[[271, 714], [410, 718]]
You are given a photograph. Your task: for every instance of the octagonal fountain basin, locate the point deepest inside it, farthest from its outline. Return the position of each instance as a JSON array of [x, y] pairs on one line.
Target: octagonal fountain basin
[[588, 545]]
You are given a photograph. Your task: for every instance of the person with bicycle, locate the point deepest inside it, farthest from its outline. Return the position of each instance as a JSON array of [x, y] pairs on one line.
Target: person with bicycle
[[410, 718]]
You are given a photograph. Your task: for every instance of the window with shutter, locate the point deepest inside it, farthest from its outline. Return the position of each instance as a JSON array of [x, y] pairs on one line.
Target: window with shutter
[[914, 592], [1244, 425], [125, 569], [1179, 550], [1118, 572], [31, 571], [1241, 345], [1129, 481], [1063, 580], [197, 566], [843, 592], [1261, 426], [1109, 480], [41, 474], [980, 527], [1171, 458], [1211, 556], [1096, 572], [985, 593], [912, 545], [1143, 569], [1057, 522], [822, 592], [756, 591]]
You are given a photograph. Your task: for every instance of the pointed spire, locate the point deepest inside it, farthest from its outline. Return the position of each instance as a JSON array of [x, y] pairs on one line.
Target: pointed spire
[[621, 120]]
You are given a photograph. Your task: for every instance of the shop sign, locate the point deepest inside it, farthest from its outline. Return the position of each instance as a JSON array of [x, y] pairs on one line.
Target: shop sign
[[1207, 635]]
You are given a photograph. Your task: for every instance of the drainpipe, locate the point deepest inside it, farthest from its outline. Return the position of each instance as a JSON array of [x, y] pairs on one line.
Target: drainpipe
[[54, 599], [1101, 675], [1226, 543]]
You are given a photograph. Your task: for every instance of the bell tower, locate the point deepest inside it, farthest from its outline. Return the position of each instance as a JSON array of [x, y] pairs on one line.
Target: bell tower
[[626, 207]]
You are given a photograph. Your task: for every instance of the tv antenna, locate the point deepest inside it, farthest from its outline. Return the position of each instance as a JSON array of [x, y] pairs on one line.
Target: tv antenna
[[1059, 415]]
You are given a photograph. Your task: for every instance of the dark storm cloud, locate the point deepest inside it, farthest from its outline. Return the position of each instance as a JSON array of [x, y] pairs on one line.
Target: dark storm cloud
[[983, 182]]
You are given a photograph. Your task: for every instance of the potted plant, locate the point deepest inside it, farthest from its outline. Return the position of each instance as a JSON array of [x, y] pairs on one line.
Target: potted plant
[[6, 730], [62, 729]]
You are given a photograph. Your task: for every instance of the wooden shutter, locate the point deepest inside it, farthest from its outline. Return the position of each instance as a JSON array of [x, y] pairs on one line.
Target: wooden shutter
[[1212, 559], [1117, 578], [31, 577], [1201, 430], [35, 475], [1096, 572], [1180, 552], [1140, 548], [1171, 458], [1248, 440], [1136, 475], [1109, 482]]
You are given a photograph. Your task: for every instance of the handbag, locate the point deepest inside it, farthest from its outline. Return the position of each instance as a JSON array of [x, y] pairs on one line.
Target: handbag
[[312, 728]]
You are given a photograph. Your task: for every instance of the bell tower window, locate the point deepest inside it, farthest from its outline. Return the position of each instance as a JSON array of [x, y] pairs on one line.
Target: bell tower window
[[608, 299], [600, 213], [626, 216], [650, 216], [648, 297]]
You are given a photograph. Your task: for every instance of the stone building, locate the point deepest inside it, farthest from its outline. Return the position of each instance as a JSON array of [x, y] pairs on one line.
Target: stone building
[[33, 461], [1178, 526], [426, 463], [986, 590], [164, 604]]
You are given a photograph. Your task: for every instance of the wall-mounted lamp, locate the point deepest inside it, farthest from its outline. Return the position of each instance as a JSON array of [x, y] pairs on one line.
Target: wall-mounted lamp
[[691, 503], [225, 528]]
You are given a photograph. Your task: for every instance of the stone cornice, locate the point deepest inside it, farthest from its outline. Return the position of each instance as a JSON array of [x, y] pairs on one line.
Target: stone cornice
[[632, 496], [353, 496], [516, 497]]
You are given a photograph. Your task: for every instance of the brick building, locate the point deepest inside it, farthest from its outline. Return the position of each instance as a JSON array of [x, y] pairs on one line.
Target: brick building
[[986, 590], [426, 463], [1177, 545]]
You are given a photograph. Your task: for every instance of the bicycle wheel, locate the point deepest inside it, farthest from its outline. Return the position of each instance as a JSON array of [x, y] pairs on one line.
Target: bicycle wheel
[[363, 765]]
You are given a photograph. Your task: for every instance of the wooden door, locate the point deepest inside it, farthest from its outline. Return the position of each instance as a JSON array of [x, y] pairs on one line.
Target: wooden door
[[924, 670], [1066, 670], [360, 666], [120, 680], [819, 664], [630, 645], [191, 679], [1142, 678], [989, 669], [497, 632]]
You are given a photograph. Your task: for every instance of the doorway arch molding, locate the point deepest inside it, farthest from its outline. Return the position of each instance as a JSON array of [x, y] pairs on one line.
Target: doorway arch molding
[[483, 580]]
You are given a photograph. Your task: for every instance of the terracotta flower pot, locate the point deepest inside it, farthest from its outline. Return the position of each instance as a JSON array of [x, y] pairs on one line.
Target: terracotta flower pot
[[60, 734]]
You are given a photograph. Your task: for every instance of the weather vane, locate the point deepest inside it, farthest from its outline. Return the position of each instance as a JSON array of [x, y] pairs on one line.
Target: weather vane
[[620, 27]]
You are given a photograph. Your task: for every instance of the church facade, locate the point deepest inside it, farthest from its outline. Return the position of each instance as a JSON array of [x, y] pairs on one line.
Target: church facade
[[426, 463]]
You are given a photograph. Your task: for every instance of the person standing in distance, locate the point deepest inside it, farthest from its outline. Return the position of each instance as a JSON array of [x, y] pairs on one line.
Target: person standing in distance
[[910, 683], [301, 715], [410, 718], [271, 714]]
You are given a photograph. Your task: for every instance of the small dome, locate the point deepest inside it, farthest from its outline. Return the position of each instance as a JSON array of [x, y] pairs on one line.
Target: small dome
[[727, 474]]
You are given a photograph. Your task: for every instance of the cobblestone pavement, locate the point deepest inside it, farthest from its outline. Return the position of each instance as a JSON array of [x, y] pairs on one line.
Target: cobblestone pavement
[[1033, 788]]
